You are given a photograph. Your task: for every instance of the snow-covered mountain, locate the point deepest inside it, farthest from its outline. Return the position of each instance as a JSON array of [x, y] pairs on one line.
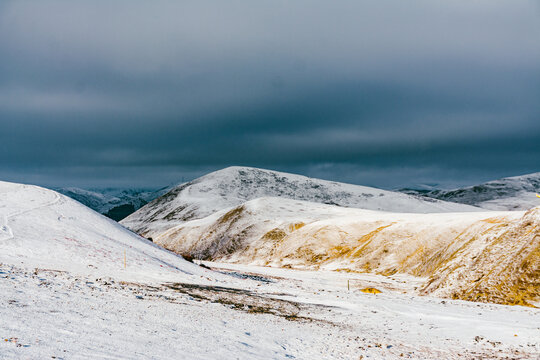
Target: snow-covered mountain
[[233, 186], [261, 217], [483, 256], [42, 228], [113, 203], [511, 193], [74, 284]]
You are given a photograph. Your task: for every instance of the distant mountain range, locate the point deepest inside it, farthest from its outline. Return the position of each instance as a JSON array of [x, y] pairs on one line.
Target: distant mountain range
[[113, 203], [511, 193], [234, 185]]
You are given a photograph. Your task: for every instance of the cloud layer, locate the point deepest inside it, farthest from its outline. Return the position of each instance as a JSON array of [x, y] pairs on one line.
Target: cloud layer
[[381, 93]]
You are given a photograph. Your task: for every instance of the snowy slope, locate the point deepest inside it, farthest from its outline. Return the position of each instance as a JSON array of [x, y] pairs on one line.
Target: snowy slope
[[512, 193], [113, 203], [234, 185], [42, 228], [64, 293], [486, 256]]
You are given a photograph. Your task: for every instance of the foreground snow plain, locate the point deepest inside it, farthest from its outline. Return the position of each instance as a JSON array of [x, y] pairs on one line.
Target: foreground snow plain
[[65, 292]]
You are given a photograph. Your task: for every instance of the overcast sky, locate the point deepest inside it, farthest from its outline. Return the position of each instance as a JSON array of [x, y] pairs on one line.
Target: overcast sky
[[382, 93]]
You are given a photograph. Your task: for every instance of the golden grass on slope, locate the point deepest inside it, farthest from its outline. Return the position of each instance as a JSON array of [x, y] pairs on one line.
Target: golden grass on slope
[[489, 258], [505, 270], [275, 234], [231, 216], [491, 261], [370, 290], [296, 226]]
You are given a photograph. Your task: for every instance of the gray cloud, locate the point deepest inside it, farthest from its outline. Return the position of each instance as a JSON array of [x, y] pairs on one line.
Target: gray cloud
[[92, 93]]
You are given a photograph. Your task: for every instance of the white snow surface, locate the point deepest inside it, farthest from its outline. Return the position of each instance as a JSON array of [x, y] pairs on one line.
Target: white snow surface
[[40, 228], [256, 217], [65, 294], [235, 185], [511, 193], [469, 255]]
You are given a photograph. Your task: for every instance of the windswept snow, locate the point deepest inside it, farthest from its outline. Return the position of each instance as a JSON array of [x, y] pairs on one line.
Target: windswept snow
[[235, 185], [512, 193]]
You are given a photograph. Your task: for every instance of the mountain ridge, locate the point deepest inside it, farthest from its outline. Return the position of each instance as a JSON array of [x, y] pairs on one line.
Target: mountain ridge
[[235, 185], [509, 193]]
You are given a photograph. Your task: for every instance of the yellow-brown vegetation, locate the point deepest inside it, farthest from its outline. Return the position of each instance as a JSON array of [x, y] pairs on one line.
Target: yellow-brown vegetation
[[370, 290]]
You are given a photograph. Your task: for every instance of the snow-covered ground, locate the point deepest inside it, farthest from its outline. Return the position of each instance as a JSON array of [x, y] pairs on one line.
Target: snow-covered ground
[[483, 256], [66, 292], [235, 185], [511, 193], [44, 229], [46, 314], [269, 314]]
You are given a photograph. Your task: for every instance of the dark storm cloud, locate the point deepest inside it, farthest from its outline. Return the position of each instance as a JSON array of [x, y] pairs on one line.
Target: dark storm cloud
[[385, 93]]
